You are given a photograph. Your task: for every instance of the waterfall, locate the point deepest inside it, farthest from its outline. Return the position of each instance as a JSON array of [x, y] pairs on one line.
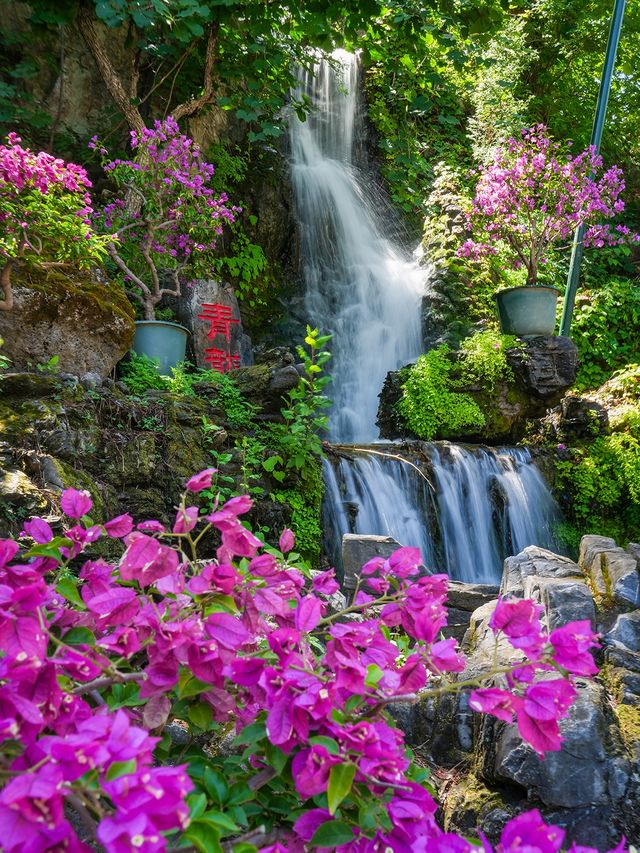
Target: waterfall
[[481, 505], [359, 286]]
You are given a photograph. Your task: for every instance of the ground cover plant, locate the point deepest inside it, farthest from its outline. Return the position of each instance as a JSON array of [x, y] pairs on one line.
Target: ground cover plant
[[99, 657]]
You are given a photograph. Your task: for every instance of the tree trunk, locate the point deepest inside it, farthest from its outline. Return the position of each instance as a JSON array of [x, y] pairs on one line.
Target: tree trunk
[[6, 304]]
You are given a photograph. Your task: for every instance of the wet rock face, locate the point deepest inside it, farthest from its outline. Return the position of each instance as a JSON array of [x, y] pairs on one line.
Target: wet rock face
[[545, 367], [87, 324]]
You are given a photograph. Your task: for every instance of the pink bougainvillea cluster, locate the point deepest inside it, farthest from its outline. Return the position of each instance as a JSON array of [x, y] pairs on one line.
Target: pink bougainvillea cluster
[[98, 657], [45, 212], [167, 216], [534, 196]]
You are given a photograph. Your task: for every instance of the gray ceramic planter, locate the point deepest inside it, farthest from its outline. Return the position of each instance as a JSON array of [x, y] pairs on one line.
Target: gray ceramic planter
[[166, 342], [527, 311]]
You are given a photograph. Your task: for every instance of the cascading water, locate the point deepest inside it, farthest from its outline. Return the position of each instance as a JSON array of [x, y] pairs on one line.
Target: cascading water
[[359, 286], [478, 506], [482, 504]]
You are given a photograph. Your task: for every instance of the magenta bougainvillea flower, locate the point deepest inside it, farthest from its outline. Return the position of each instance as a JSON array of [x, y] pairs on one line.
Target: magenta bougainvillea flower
[[98, 656]]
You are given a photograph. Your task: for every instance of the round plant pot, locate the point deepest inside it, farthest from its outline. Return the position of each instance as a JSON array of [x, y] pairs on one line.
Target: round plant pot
[[165, 342], [527, 311]]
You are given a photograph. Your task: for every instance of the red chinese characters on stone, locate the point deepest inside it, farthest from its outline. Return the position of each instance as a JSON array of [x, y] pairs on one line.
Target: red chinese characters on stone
[[220, 360], [220, 318]]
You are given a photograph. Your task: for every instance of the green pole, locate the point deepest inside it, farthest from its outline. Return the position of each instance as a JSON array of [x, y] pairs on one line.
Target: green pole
[[596, 139]]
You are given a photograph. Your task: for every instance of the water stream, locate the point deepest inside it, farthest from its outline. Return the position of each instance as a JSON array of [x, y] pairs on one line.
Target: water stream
[[481, 504], [360, 286]]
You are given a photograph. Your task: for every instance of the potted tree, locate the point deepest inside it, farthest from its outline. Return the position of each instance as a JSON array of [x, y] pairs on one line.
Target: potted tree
[[528, 203], [164, 224]]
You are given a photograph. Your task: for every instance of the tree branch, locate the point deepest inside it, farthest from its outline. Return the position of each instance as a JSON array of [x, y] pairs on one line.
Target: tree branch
[[86, 25], [188, 108]]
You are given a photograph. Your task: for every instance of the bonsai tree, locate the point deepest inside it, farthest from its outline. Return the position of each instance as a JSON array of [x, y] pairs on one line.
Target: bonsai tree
[[167, 218], [535, 195], [45, 214]]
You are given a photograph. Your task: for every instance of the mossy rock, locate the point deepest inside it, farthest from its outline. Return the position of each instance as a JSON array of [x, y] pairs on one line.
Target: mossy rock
[[86, 323], [466, 803]]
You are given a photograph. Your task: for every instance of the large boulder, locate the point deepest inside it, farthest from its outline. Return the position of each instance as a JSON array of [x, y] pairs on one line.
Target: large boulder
[[84, 322], [590, 769]]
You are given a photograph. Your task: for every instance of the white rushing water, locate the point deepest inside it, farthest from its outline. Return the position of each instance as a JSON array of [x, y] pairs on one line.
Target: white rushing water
[[366, 290], [360, 287], [482, 505]]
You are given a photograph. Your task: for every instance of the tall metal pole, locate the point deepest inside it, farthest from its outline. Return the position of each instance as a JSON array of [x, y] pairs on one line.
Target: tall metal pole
[[596, 139]]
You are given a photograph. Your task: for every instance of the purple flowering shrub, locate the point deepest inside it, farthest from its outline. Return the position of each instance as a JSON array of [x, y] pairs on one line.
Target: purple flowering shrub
[[45, 213], [534, 196], [99, 657], [167, 217]]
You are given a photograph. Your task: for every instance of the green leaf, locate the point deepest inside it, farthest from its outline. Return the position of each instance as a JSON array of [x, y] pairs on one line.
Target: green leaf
[[197, 804], [216, 786], [328, 742], [252, 734], [188, 685], [374, 674], [331, 834], [201, 714], [340, 782], [204, 836], [79, 637], [67, 587], [120, 768], [220, 820], [276, 758]]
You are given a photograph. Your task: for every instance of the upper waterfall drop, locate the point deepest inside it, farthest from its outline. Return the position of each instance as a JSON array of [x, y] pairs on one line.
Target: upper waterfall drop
[[360, 287]]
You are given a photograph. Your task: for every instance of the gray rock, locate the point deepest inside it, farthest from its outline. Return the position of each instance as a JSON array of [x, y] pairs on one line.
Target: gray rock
[[284, 379], [585, 771], [358, 548], [535, 561], [612, 571], [470, 596], [91, 380], [545, 366], [564, 599], [337, 601], [626, 631], [623, 658], [87, 325]]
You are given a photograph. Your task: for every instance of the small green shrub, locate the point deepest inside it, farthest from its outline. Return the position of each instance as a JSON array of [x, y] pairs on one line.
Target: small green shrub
[[606, 330], [483, 358], [239, 412], [140, 374], [429, 403], [599, 486]]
